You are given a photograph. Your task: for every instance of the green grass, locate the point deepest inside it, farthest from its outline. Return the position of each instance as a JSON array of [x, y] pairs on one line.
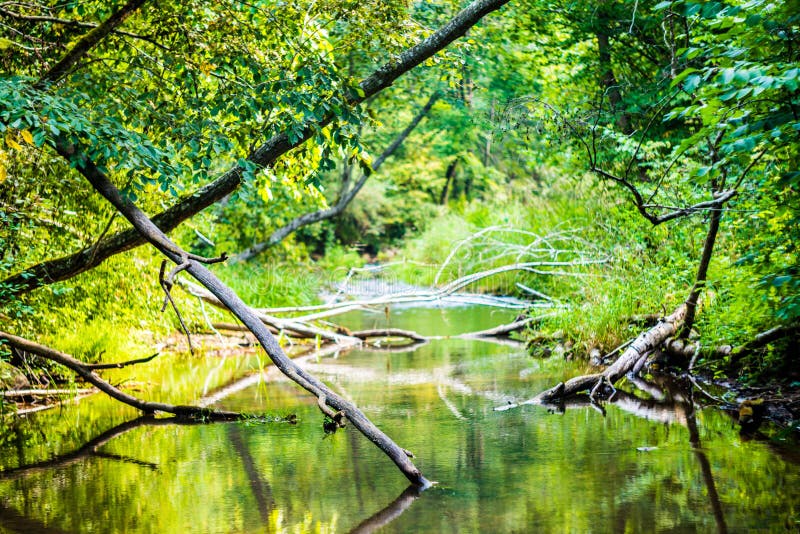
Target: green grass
[[650, 270]]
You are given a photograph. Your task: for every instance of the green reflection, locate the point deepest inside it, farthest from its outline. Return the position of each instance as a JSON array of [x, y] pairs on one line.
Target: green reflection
[[653, 463]]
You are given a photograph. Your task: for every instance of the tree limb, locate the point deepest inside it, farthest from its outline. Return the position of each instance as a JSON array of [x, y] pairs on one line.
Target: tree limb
[[346, 196], [78, 24], [119, 365], [68, 266], [85, 372], [89, 41]]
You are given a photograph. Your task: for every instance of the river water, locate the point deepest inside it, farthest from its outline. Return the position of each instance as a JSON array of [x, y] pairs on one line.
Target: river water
[[651, 463]]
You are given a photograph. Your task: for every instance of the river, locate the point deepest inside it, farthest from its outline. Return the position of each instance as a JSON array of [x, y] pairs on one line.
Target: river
[[651, 463]]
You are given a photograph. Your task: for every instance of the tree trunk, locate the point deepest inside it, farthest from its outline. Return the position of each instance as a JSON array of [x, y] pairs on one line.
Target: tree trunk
[[449, 177], [702, 271], [608, 81], [487, 147]]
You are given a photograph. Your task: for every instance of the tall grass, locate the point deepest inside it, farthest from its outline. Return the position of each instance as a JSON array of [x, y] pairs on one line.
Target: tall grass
[[649, 270]]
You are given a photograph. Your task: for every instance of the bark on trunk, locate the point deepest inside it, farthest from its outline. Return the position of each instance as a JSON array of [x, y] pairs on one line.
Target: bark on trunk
[[87, 42], [608, 80], [702, 271], [642, 345], [449, 176]]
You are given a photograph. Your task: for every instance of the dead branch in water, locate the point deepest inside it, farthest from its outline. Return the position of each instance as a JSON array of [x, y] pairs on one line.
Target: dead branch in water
[[85, 372], [636, 351], [280, 325], [119, 365], [389, 332], [416, 338]]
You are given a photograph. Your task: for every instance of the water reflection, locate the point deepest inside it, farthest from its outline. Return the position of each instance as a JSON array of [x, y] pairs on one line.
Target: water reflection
[[656, 462], [260, 487], [92, 449], [392, 511], [670, 401]]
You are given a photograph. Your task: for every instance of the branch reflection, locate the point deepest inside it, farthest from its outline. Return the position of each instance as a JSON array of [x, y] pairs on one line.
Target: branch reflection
[[670, 402]]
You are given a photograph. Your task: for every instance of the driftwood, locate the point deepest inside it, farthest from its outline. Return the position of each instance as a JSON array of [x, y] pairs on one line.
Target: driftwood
[[276, 323], [388, 332], [636, 351], [497, 332], [88, 374]]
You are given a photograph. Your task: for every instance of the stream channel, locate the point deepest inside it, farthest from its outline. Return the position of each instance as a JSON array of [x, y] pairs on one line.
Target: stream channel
[[650, 464]]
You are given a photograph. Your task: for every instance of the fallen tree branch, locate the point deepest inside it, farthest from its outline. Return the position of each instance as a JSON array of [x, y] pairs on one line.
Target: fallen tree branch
[[274, 331], [388, 332], [640, 346], [87, 374], [290, 325], [498, 331], [119, 365], [503, 329]]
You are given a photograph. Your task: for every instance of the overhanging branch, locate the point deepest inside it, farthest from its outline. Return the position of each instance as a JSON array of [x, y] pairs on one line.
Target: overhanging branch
[[60, 269]]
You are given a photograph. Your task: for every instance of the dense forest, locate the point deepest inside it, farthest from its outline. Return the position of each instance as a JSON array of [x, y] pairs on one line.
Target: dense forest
[[627, 169]]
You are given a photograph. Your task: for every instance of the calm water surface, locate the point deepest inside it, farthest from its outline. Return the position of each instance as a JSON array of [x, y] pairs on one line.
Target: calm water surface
[[650, 464]]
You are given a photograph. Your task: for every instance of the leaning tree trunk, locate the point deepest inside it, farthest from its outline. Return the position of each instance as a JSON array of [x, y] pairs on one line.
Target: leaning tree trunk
[[702, 271], [193, 265], [640, 348], [680, 322]]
